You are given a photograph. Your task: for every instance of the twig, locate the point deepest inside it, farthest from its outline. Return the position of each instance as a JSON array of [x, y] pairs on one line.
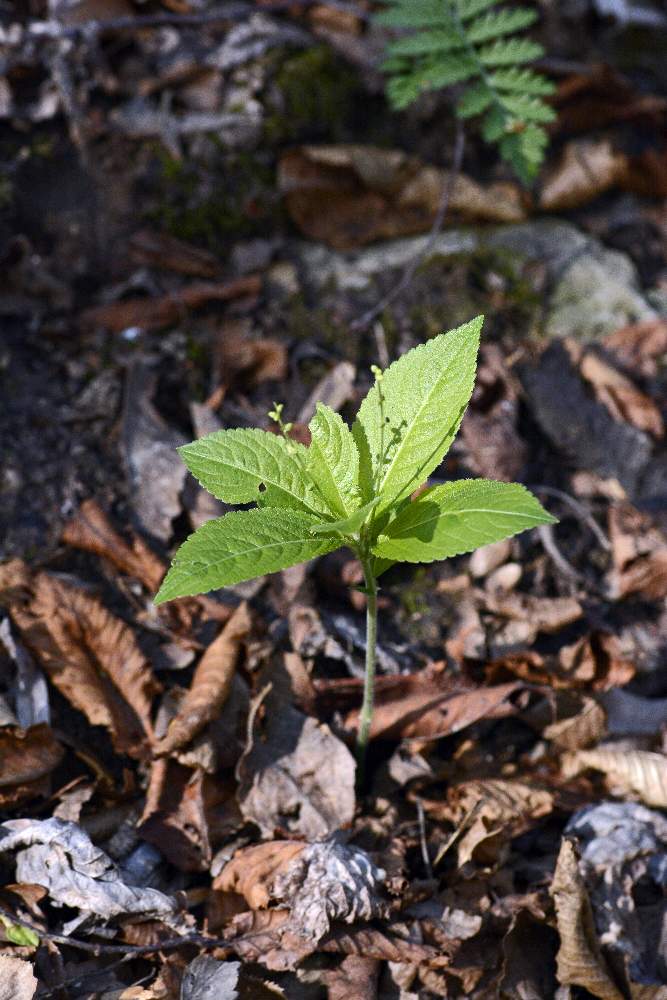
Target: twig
[[545, 531], [230, 12], [422, 838], [457, 160], [579, 509], [100, 948]]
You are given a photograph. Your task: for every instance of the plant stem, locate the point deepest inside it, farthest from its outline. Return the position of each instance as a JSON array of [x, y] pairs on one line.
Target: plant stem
[[371, 655]]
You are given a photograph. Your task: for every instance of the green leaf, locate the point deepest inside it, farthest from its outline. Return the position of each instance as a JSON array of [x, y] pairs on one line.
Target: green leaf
[[350, 525], [510, 52], [410, 417], [333, 461], [415, 14], [19, 935], [241, 546], [500, 22], [528, 109], [425, 42], [468, 9], [242, 466], [476, 99], [522, 81], [459, 517]]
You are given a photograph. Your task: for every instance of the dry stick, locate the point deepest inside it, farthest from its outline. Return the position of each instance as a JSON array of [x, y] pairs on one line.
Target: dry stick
[[117, 949], [409, 273]]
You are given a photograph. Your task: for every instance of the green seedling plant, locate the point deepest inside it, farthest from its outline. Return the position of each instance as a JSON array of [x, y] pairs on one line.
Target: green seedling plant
[[352, 487]]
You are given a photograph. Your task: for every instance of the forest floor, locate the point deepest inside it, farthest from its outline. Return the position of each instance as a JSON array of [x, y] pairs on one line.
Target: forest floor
[[205, 209]]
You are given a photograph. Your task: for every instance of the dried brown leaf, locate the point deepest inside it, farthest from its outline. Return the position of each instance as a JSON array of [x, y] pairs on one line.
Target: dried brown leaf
[[639, 553], [619, 394], [91, 656], [348, 196], [91, 530], [640, 345], [580, 961], [253, 870], [586, 727], [155, 313], [211, 684], [175, 816], [165, 251], [586, 170], [240, 360], [17, 980], [500, 810], [356, 976], [545, 614], [431, 703], [27, 755], [629, 771]]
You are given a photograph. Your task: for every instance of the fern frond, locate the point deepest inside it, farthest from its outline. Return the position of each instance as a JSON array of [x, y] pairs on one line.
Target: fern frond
[[510, 52], [522, 81], [498, 23], [468, 9], [473, 42]]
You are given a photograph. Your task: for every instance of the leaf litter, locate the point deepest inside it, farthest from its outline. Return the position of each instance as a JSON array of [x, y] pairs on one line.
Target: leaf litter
[[187, 770]]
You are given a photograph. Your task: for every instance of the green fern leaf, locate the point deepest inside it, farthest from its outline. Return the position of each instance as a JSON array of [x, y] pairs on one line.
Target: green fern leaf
[[498, 23], [475, 100], [510, 52], [528, 109], [415, 14], [522, 81], [424, 43], [467, 9]]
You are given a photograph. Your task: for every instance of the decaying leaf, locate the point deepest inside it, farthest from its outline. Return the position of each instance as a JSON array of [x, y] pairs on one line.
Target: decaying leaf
[[26, 757], [639, 551], [253, 870], [242, 361], [175, 816], [153, 314], [165, 251], [90, 529], [586, 170], [431, 703], [640, 345], [617, 392], [585, 727], [355, 976], [89, 655], [211, 684], [500, 810], [206, 978], [348, 196], [61, 857], [580, 961], [639, 772], [17, 980], [295, 774]]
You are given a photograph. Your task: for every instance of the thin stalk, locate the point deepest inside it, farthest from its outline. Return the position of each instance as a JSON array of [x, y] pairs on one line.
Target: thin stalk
[[366, 714]]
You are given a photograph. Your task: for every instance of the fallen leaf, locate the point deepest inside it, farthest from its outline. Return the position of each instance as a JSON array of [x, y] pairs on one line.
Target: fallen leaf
[[587, 168], [253, 870], [206, 978], [588, 726], [639, 553], [629, 771], [295, 775], [529, 959], [501, 810], [155, 473], [211, 684], [26, 756], [334, 389], [61, 857], [356, 976], [347, 196], [639, 346], [155, 313], [165, 251], [618, 393], [430, 704], [88, 654], [579, 960], [242, 361], [175, 817], [91, 530], [17, 980], [545, 614], [600, 96]]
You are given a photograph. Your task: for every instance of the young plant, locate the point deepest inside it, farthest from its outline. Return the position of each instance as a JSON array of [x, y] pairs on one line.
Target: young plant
[[474, 44], [352, 487]]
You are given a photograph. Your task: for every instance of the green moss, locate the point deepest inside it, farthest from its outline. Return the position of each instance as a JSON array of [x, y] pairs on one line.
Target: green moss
[[316, 94], [206, 206]]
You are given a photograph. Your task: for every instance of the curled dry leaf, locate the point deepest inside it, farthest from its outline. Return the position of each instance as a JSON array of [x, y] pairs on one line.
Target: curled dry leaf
[[348, 196], [580, 961], [430, 703], [155, 313], [211, 684], [206, 978], [585, 727], [26, 756], [355, 976], [90, 529], [617, 392], [239, 359], [252, 871], [91, 656], [295, 775], [639, 553], [628, 771], [499, 809], [586, 170], [639, 346], [17, 980], [61, 857], [175, 815]]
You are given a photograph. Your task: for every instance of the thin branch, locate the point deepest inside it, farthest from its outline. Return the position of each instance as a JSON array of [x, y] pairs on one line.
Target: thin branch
[[579, 509], [457, 160], [100, 948]]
